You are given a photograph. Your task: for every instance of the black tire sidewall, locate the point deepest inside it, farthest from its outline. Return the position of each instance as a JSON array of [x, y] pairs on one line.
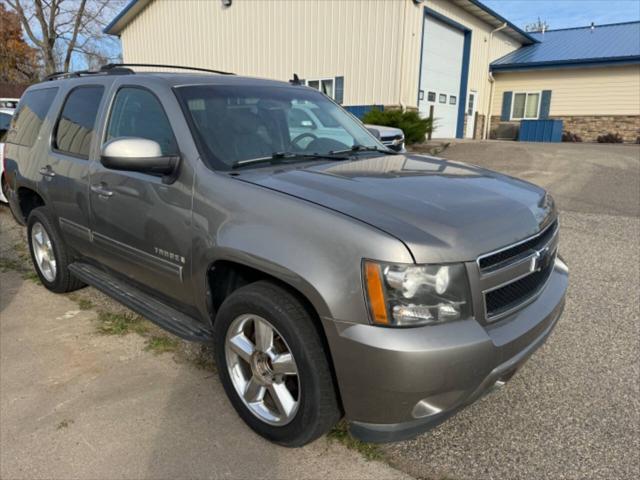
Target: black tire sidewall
[[300, 430], [41, 215]]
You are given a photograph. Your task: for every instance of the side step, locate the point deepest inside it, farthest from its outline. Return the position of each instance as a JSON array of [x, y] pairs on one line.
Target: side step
[[162, 315]]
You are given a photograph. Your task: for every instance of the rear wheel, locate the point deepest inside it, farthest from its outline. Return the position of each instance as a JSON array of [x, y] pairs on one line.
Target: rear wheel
[[273, 366], [49, 254]]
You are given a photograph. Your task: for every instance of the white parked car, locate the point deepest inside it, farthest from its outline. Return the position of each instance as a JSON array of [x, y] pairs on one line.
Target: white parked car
[[390, 137], [11, 103], [5, 119], [306, 120]]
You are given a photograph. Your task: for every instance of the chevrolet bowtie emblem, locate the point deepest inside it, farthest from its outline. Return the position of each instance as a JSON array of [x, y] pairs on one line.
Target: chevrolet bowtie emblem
[[534, 266]]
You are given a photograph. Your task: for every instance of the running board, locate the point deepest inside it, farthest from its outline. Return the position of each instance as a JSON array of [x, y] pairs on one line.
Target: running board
[[159, 313]]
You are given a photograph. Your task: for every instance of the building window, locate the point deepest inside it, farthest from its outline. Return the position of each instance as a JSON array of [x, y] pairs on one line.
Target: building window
[[325, 85], [453, 100], [443, 98], [526, 105], [431, 96]]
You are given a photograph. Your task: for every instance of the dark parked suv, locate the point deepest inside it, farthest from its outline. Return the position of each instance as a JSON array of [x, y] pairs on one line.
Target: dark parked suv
[[333, 276]]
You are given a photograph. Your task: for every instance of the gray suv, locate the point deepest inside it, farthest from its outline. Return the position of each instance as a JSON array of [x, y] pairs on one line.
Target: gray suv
[[334, 277]]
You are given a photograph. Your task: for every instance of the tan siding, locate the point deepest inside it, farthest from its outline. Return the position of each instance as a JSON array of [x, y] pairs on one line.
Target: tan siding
[[585, 91], [374, 44], [271, 38]]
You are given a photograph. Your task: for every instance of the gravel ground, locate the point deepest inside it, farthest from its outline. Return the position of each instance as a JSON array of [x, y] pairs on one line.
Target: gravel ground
[[573, 411]]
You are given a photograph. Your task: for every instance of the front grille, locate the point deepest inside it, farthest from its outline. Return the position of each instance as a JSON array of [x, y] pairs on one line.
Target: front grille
[[534, 243], [514, 294]]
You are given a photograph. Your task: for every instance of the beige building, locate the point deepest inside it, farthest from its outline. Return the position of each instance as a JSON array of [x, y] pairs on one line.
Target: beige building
[[429, 55], [588, 77]]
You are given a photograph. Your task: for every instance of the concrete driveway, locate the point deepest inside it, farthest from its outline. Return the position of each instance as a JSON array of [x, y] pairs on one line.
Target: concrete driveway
[[573, 411]]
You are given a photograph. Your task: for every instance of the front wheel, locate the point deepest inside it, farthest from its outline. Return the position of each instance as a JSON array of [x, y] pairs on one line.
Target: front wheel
[[273, 366]]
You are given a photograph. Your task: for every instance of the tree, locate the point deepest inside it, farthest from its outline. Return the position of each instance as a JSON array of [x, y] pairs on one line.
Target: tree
[[64, 29], [537, 26], [18, 61]]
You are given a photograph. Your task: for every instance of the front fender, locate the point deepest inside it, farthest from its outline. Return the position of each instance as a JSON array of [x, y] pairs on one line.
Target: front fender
[[313, 249]]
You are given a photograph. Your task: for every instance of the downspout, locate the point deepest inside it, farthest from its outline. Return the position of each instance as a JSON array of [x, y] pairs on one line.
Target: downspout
[[487, 117], [402, 46]]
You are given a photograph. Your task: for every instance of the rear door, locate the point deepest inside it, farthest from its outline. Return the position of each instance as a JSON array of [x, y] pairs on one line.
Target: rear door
[[64, 170], [140, 225]]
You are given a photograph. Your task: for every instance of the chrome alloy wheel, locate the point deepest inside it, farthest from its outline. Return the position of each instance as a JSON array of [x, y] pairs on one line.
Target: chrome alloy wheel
[[43, 252], [262, 369]]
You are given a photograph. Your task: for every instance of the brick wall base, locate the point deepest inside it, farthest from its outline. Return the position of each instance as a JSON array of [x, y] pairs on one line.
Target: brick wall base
[[590, 127]]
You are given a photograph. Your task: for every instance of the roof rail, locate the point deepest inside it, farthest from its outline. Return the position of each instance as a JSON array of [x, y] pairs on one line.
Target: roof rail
[[122, 69], [80, 73], [111, 66]]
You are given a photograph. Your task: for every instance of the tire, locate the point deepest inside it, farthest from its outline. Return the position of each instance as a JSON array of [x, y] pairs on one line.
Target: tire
[[4, 186], [59, 279], [317, 407]]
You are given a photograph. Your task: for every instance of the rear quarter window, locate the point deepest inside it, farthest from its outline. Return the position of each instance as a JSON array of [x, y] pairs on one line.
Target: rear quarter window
[[75, 129], [31, 112]]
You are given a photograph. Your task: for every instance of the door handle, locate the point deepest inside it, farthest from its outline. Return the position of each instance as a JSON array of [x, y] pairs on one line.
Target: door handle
[[47, 172], [101, 190]]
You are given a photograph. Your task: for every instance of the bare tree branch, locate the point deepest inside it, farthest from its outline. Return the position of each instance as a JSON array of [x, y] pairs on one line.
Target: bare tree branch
[[74, 38]]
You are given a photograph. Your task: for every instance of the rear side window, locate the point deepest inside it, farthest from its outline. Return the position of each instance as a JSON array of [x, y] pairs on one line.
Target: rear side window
[[76, 126], [138, 113], [28, 118]]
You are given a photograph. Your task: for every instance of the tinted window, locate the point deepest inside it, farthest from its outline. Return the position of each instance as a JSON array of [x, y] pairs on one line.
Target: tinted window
[[138, 113], [5, 120], [76, 125], [297, 118], [29, 116], [235, 123]]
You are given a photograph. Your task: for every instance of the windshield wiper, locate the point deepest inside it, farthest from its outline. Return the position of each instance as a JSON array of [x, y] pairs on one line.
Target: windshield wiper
[[364, 148], [284, 156]]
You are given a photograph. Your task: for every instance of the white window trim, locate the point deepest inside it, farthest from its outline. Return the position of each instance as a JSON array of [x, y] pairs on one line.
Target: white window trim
[[527, 93], [320, 80]]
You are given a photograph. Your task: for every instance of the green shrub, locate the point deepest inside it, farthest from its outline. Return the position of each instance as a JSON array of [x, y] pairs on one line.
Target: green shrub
[[610, 138], [571, 137], [414, 127]]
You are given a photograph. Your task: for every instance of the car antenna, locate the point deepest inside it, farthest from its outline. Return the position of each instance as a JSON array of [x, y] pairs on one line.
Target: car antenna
[[295, 80]]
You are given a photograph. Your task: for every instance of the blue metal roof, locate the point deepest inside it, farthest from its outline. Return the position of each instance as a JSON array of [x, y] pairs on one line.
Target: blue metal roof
[[617, 43]]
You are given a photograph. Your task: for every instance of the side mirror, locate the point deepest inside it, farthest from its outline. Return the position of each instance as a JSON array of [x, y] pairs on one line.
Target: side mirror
[[375, 132], [138, 155]]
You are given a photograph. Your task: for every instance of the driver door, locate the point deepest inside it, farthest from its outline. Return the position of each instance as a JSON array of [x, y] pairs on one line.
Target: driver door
[[141, 225]]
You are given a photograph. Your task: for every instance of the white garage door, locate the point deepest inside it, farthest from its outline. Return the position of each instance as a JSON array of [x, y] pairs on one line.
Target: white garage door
[[442, 52]]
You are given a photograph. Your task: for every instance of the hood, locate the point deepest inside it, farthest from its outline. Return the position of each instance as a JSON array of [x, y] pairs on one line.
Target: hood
[[444, 211]]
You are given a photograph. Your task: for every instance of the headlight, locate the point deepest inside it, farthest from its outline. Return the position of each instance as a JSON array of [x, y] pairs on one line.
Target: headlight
[[412, 295]]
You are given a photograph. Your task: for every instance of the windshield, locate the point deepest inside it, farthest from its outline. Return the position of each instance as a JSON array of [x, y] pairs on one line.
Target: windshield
[[238, 123]]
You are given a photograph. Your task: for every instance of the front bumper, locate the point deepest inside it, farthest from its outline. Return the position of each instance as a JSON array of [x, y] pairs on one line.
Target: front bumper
[[397, 383]]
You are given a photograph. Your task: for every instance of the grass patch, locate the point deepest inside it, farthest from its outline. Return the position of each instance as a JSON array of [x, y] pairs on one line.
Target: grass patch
[[21, 250], [161, 344], [340, 433], [64, 424], [120, 323], [9, 264], [33, 276], [84, 304]]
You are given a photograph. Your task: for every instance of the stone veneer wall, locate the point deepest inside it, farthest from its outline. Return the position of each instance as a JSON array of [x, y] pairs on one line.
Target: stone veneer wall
[[590, 127]]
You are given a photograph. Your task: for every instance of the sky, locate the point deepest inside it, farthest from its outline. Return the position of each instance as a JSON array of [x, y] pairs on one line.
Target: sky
[[566, 13]]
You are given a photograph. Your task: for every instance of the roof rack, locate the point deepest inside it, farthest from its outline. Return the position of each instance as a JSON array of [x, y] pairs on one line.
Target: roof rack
[[111, 66], [80, 73], [122, 69]]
